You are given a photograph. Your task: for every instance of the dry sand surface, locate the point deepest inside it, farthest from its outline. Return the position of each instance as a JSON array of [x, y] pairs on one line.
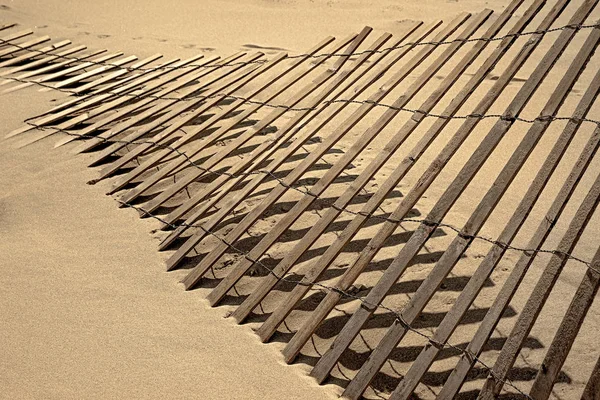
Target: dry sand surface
[[86, 309]]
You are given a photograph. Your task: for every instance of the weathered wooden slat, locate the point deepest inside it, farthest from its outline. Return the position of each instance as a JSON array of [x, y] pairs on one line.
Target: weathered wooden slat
[[49, 68], [33, 55], [124, 94], [445, 202], [6, 40], [275, 114], [221, 77], [540, 294], [322, 263], [122, 71], [291, 149], [269, 281], [234, 121], [592, 389], [495, 254], [286, 133], [147, 97], [228, 81], [451, 256], [64, 72], [24, 46], [458, 375], [567, 332], [408, 202], [94, 72], [224, 184], [271, 237], [195, 275]]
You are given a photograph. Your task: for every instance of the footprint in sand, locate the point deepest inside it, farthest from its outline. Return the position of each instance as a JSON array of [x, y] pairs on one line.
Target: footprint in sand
[[102, 36], [4, 7]]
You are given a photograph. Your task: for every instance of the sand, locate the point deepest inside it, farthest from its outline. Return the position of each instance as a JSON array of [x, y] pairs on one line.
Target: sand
[[87, 310]]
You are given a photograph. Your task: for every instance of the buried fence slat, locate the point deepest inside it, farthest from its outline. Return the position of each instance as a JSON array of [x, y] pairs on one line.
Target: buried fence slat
[[443, 205], [64, 72], [269, 281], [567, 331], [138, 118], [494, 255], [44, 70], [32, 55], [226, 82], [230, 76], [6, 40], [114, 84], [225, 183], [116, 74], [226, 127], [42, 61], [93, 72], [333, 172], [24, 46], [126, 84], [295, 174], [408, 202], [120, 96], [258, 127]]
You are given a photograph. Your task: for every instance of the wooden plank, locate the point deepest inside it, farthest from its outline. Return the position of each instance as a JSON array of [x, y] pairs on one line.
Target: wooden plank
[[163, 104], [333, 172], [495, 254], [357, 115], [24, 46], [116, 74], [234, 121], [225, 183], [147, 96], [51, 67], [94, 72], [123, 95], [6, 40], [540, 294], [457, 376], [567, 331], [29, 56], [459, 245], [224, 82], [356, 268], [592, 389], [269, 281], [442, 206], [322, 263], [264, 123], [6, 26], [64, 72], [109, 82]]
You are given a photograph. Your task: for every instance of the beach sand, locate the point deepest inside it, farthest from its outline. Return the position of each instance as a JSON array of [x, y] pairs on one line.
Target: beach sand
[[87, 310]]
